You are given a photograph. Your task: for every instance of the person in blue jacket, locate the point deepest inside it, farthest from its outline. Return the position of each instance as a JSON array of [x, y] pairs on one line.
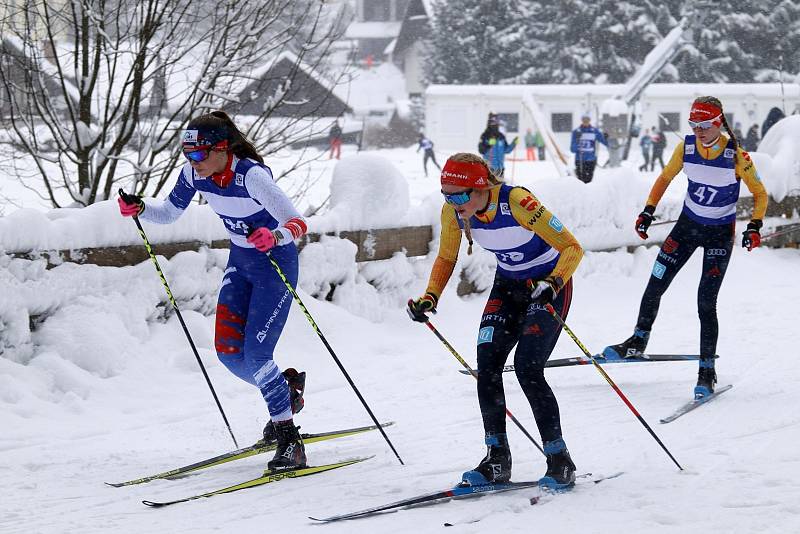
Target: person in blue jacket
[[253, 305], [493, 145], [584, 145]]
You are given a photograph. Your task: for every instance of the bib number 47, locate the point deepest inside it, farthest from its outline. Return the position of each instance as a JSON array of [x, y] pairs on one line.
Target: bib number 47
[[700, 193]]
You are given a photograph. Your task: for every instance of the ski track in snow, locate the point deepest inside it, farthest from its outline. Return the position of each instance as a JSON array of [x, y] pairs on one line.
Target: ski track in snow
[[110, 393]]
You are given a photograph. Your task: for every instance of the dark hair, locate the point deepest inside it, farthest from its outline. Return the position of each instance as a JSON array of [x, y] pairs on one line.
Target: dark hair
[[239, 144], [716, 101]]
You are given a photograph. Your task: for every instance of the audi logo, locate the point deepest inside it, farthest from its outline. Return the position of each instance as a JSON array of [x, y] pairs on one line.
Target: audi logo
[[716, 252]]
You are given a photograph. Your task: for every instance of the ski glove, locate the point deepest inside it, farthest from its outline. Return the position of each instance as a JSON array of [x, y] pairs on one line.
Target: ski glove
[[751, 238], [545, 291], [130, 205], [644, 221], [262, 239], [418, 308]]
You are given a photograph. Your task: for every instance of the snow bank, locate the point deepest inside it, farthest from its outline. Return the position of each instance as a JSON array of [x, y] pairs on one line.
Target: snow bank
[[778, 158], [367, 191]]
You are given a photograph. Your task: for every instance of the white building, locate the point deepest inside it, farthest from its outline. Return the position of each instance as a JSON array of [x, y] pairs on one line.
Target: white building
[[455, 115]]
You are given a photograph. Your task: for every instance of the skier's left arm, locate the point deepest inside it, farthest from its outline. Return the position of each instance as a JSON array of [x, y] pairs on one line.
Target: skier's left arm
[[263, 189], [510, 147], [746, 170], [530, 213], [601, 137]]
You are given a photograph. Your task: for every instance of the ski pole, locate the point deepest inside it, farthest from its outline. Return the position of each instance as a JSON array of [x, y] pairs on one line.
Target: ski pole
[[789, 230], [458, 357], [330, 350], [602, 371], [180, 318]]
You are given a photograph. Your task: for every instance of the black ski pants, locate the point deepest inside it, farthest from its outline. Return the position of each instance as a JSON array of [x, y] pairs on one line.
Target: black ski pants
[[685, 237], [509, 319], [425, 157], [585, 170]]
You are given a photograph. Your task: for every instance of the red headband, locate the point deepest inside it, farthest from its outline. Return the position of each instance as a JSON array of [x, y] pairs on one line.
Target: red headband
[[465, 174], [703, 111]]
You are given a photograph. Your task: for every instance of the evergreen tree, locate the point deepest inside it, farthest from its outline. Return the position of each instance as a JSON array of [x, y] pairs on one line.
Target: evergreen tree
[[475, 41], [606, 41]]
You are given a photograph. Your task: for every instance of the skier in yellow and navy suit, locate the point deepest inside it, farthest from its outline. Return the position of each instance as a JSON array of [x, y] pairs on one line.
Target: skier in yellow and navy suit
[[715, 165], [536, 257]]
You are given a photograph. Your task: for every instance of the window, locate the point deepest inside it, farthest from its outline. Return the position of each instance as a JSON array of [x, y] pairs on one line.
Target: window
[[377, 10], [509, 121], [561, 122], [669, 122]]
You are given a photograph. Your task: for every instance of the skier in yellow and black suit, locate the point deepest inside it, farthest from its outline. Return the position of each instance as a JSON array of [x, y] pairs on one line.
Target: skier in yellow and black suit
[[536, 257], [715, 166]]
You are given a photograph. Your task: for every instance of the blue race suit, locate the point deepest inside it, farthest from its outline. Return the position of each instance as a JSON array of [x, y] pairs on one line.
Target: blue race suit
[[253, 301]]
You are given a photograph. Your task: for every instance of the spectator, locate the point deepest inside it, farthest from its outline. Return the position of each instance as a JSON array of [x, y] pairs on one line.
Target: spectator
[[530, 145], [751, 140], [335, 138], [427, 145], [737, 130], [774, 115], [493, 145], [584, 145], [646, 142], [659, 144], [538, 140]]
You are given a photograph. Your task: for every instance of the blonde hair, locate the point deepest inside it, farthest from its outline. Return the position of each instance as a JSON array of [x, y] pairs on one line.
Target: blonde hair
[[717, 102], [466, 157]]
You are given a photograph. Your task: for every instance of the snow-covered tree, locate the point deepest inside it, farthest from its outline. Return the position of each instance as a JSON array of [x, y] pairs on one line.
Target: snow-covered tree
[[477, 41], [96, 92]]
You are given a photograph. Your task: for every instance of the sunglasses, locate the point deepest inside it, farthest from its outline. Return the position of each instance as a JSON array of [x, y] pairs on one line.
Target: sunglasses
[[705, 125], [197, 155], [457, 199]]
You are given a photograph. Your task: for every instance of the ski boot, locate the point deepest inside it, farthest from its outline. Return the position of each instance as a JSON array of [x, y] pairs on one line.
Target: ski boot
[[560, 473], [630, 348], [297, 386], [290, 453], [706, 378], [496, 465]]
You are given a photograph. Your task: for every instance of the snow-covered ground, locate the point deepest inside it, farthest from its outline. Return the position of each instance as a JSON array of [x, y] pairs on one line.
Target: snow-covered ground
[[105, 390]]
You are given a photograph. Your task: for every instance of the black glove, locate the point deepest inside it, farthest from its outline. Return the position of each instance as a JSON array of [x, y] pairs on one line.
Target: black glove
[[418, 308], [751, 238], [644, 221], [545, 291]]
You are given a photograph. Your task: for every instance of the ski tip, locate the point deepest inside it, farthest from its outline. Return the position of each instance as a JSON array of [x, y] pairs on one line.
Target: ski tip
[[114, 485], [152, 504]]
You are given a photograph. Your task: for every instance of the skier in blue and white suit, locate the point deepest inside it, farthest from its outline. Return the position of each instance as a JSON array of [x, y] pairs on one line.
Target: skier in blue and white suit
[[584, 145], [253, 302]]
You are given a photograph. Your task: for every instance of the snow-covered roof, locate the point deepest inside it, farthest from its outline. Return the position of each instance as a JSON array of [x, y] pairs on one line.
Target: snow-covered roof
[[375, 89], [373, 30]]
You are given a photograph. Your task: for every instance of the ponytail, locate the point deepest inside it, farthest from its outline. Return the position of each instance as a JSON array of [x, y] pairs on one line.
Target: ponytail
[[237, 142]]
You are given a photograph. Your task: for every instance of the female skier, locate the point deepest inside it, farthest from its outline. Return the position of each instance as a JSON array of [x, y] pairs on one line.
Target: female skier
[[715, 165], [536, 256], [253, 302]]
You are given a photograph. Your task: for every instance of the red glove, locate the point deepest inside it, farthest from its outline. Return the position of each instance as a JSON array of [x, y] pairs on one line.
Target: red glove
[[262, 239], [130, 205], [751, 238], [644, 220]]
